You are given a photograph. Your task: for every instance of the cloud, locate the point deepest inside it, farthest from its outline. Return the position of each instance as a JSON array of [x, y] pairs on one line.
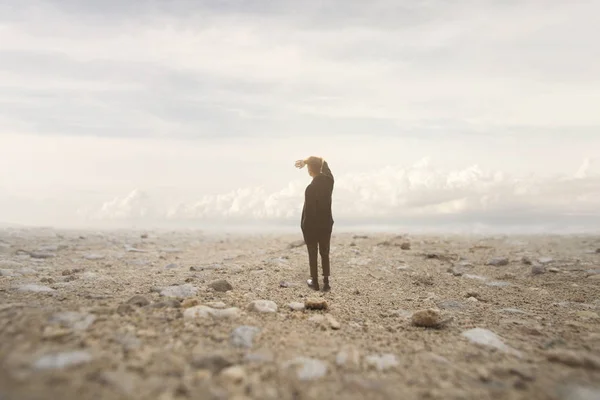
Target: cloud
[[391, 196], [237, 68]]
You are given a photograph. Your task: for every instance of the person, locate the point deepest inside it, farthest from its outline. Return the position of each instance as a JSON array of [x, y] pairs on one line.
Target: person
[[317, 219]]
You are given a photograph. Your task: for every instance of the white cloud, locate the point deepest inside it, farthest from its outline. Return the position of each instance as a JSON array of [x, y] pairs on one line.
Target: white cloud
[[390, 196]]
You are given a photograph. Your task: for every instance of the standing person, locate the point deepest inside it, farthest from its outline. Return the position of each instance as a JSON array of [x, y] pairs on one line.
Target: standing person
[[317, 219]]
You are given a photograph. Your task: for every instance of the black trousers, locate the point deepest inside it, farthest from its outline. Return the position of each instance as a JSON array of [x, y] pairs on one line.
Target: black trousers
[[318, 244]]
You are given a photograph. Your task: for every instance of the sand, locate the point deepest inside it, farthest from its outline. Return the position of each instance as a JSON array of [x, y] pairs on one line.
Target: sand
[[87, 315]]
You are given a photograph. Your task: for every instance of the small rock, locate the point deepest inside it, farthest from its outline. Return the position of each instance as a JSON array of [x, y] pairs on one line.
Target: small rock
[[295, 306], [348, 357], [63, 360], [473, 299], [171, 266], [221, 286], [429, 318], [307, 369], [333, 323], [315, 304], [94, 257], [179, 291], [139, 301], [243, 336], [405, 246], [538, 270], [498, 261], [381, 362], [35, 288], [235, 375], [40, 255], [124, 309], [554, 270], [187, 303], [488, 338], [213, 362], [545, 260], [263, 306], [575, 359], [205, 312]]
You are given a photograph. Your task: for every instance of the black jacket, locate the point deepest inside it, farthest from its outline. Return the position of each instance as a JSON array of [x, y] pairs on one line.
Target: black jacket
[[317, 218]]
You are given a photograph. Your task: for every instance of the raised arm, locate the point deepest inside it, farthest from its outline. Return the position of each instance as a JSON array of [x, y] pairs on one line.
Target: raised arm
[[325, 170]]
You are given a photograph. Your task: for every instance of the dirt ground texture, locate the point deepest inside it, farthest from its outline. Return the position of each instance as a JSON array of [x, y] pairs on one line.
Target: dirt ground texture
[[147, 315]]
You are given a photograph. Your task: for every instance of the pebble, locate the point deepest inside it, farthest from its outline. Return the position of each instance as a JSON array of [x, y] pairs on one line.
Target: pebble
[[243, 336], [187, 303], [473, 299], [348, 357], [205, 312], [554, 270], [94, 257], [487, 338], [63, 360], [545, 260], [235, 375], [405, 246], [221, 286], [315, 304], [429, 318], [307, 369], [35, 288], [171, 266], [498, 261], [263, 306], [295, 306], [381, 362], [41, 255], [574, 359], [181, 291], [333, 323], [538, 270]]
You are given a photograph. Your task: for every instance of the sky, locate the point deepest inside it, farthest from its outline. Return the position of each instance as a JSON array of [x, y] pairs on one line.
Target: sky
[[432, 114]]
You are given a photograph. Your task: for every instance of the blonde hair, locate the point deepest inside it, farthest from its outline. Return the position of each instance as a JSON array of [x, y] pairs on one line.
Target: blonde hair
[[314, 165]]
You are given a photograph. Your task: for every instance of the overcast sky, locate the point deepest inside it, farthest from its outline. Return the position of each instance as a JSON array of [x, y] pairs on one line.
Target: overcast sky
[[431, 113]]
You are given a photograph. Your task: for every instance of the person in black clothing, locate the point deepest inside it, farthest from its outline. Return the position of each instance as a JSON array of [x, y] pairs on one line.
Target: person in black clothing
[[317, 219]]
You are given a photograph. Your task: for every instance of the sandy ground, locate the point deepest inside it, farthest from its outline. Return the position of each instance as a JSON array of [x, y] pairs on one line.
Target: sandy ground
[[114, 315]]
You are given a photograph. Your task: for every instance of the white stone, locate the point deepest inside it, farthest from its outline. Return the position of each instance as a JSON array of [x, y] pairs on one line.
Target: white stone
[[263, 306]]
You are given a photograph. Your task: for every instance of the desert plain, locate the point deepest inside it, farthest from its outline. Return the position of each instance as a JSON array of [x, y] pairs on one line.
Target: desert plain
[[190, 315]]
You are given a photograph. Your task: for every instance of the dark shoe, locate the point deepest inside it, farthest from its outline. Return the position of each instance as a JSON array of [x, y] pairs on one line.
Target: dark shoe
[[326, 287], [313, 284]]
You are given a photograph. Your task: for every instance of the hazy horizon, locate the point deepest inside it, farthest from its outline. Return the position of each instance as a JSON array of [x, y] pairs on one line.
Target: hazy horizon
[[470, 116]]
